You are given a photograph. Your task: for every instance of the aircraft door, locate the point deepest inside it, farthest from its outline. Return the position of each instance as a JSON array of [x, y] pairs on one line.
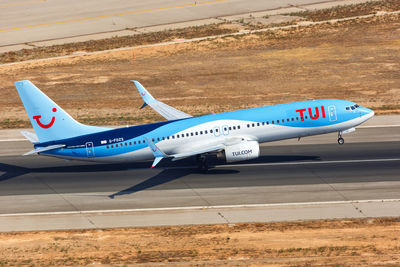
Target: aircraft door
[[332, 113], [89, 149]]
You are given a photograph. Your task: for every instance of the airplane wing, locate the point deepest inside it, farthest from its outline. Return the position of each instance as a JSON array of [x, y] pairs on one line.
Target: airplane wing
[[163, 109], [192, 151]]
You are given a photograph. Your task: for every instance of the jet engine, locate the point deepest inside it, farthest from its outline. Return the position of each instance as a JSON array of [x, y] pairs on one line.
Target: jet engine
[[245, 150]]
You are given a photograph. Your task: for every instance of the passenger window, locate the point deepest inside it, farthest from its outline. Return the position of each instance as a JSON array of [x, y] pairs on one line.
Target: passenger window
[[134, 142], [144, 141], [306, 117], [173, 137], [297, 118], [287, 120], [163, 138], [112, 146], [234, 127], [205, 131], [353, 108], [130, 143], [248, 125], [211, 131], [177, 136], [347, 108], [258, 124], [187, 134], [263, 123], [167, 137], [116, 145], [183, 135], [201, 132], [107, 146], [267, 122], [238, 127], [273, 122], [277, 121], [230, 128], [216, 130], [252, 125], [292, 119], [197, 133], [139, 142]]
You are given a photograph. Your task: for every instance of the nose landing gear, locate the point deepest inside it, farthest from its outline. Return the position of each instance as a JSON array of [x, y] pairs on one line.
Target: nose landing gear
[[340, 139]]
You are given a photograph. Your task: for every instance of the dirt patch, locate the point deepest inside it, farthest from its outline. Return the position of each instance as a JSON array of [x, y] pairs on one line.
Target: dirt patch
[[354, 60], [319, 243], [346, 11]]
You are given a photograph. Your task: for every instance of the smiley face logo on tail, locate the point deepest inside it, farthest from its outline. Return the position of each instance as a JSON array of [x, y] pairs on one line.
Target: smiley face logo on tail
[[143, 94], [45, 126], [154, 149]]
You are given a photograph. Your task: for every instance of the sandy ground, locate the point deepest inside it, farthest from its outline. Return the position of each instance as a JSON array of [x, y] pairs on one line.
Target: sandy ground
[[356, 60], [361, 242]]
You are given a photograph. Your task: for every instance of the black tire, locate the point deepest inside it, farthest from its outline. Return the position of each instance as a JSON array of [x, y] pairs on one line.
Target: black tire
[[340, 141]]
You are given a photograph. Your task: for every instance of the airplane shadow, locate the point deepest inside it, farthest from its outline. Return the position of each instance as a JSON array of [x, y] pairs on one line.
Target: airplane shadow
[[166, 176], [170, 171], [169, 175]]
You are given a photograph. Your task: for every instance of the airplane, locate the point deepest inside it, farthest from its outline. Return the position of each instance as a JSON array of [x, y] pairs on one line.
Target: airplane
[[233, 136]]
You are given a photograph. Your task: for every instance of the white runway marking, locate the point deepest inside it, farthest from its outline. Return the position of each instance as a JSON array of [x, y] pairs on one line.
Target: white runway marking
[[202, 207]]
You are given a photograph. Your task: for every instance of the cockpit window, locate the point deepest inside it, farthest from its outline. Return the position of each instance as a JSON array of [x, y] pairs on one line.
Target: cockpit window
[[352, 107]]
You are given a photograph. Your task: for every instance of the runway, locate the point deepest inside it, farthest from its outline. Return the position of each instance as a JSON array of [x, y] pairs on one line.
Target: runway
[[37, 20], [69, 194]]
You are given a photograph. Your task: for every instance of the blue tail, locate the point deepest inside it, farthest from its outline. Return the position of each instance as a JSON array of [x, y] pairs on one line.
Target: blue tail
[[49, 121]]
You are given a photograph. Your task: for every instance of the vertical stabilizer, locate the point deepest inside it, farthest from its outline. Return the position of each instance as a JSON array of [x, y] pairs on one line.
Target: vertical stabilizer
[[49, 121]]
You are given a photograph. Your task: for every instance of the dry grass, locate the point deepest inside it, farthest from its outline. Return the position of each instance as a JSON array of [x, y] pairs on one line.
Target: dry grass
[[373, 242], [356, 60], [346, 11]]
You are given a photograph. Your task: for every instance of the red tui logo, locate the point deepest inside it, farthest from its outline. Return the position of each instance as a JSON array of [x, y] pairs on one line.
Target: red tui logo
[[45, 126]]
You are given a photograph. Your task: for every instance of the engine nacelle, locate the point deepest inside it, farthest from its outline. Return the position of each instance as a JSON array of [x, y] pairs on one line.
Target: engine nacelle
[[243, 151]]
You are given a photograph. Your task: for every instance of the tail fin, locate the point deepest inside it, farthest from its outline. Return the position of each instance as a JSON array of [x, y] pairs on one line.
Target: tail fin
[[49, 121]]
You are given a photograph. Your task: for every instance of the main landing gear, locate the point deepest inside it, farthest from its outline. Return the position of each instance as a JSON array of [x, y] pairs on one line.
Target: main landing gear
[[202, 162], [340, 139]]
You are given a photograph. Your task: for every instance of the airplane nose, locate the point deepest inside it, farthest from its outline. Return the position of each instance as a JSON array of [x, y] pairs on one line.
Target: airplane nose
[[366, 112]]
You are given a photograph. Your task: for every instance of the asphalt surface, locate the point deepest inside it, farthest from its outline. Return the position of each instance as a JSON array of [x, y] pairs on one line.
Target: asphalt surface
[[42, 193], [29, 21]]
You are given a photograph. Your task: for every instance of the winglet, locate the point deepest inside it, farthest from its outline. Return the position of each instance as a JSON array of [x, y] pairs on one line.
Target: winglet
[[147, 97], [158, 154]]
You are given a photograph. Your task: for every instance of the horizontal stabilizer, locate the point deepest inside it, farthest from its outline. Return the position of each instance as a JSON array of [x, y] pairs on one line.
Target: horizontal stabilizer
[[163, 109], [32, 137], [43, 149]]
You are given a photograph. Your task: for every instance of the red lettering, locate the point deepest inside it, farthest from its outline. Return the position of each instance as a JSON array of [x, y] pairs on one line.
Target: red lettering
[[323, 112], [301, 113], [316, 114]]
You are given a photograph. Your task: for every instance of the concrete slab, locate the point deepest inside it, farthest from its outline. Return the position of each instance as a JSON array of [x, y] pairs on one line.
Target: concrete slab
[[4, 49], [193, 216]]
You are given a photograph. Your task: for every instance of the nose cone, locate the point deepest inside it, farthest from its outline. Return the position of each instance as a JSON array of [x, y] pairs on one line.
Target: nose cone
[[366, 113]]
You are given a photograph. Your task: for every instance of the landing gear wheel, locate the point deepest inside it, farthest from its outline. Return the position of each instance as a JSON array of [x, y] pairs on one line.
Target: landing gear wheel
[[340, 141], [202, 162]]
